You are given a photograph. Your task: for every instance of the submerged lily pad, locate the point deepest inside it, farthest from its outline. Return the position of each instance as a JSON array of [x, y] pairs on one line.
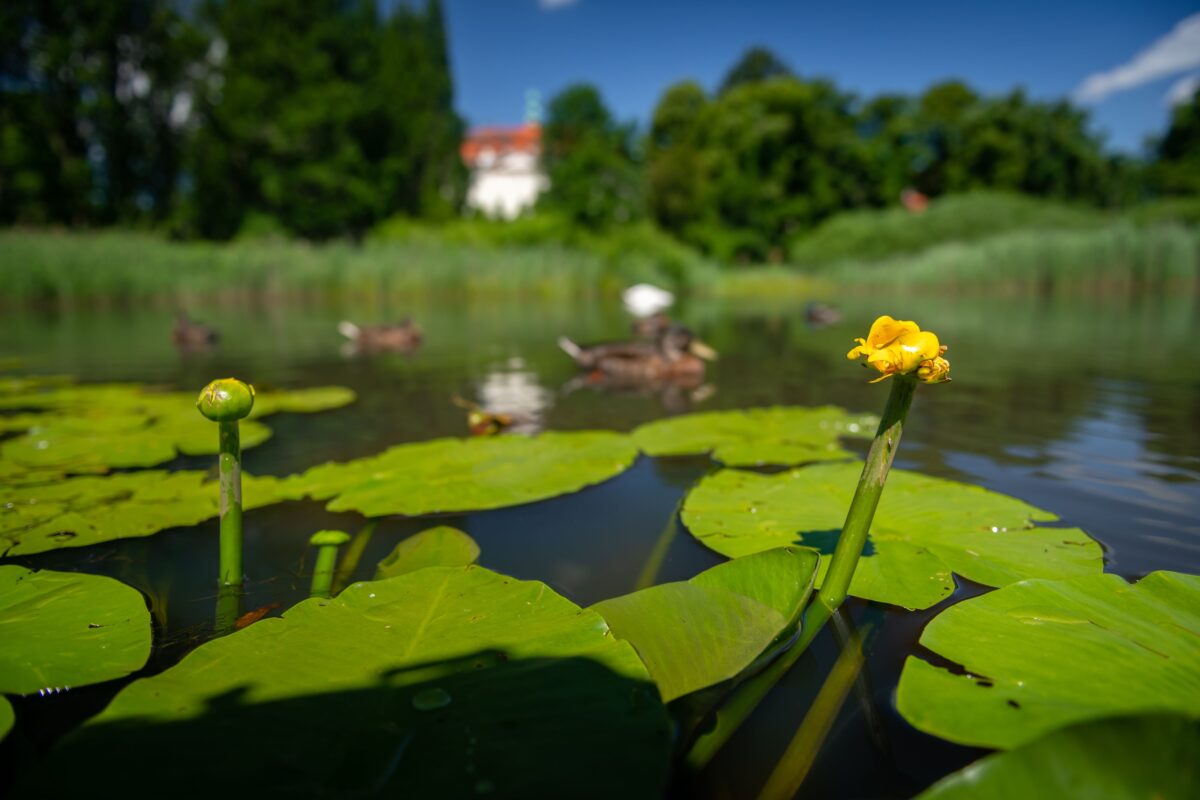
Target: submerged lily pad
[[94, 428], [1042, 654], [442, 546], [76, 512], [1122, 758], [7, 718], [445, 682], [698, 633], [779, 435], [64, 629], [924, 529], [470, 474]]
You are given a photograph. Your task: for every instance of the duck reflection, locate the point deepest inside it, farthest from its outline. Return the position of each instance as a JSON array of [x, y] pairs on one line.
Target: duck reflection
[[403, 337], [191, 336], [510, 399]]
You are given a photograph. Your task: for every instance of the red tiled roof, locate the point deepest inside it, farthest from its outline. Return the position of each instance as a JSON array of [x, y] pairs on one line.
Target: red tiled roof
[[500, 140]]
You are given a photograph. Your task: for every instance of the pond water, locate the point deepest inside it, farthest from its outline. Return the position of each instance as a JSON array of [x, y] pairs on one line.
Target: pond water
[[1089, 408]]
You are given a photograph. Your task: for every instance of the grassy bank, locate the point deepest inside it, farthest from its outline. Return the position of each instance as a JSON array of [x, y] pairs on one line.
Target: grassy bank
[[121, 267]]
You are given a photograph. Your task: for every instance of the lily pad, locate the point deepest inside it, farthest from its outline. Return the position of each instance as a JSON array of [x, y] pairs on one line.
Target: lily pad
[[1042, 654], [442, 546], [7, 718], [924, 529], [1123, 758], [81, 511], [94, 428], [698, 633], [445, 682], [63, 629], [470, 474], [784, 435]]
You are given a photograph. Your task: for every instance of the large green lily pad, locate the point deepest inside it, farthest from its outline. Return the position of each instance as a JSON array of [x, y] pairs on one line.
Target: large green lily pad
[[94, 428], [80, 511], [470, 474], [698, 633], [1123, 758], [442, 546], [784, 435], [445, 682], [63, 629], [1042, 654], [924, 529]]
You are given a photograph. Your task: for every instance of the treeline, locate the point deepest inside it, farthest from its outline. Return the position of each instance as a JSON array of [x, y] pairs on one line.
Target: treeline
[[740, 173], [324, 118], [315, 117]]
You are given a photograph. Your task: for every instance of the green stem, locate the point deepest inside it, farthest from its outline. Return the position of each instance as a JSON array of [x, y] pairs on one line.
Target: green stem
[[866, 497], [833, 589], [230, 599], [801, 752], [353, 555], [230, 472], [650, 570], [322, 580]]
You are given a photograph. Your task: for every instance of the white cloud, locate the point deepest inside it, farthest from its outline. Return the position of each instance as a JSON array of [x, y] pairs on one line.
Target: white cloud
[[1179, 50], [551, 5], [1182, 90]]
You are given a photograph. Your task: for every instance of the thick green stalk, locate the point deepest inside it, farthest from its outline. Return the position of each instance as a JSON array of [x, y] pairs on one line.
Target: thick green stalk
[[833, 589], [866, 497], [230, 605], [322, 580], [352, 556], [793, 767], [230, 471]]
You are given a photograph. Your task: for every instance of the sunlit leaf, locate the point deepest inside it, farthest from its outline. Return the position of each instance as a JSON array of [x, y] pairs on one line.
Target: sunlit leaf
[[442, 546], [445, 682], [63, 629], [777, 435], [470, 474], [1042, 654], [698, 633], [76, 512], [924, 529], [94, 428], [1122, 758]]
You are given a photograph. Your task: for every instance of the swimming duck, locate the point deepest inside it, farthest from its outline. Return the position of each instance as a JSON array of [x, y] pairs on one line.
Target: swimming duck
[[402, 338], [644, 299], [187, 333], [675, 353], [651, 327], [819, 315]]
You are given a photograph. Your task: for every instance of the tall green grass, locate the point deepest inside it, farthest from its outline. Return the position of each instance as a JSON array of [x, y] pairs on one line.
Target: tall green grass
[[116, 267], [1121, 258], [863, 235]]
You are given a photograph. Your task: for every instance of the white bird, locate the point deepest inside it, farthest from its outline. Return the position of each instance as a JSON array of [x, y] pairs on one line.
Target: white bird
[[643, 299]]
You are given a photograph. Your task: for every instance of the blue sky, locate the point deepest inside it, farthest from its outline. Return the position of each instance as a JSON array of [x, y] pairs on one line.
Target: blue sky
[[633, 49]]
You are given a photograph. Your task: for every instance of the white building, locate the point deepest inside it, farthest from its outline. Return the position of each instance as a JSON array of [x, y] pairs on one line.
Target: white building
[[506, 174]]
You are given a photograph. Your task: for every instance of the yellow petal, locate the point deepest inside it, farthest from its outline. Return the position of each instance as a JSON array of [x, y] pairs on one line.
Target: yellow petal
[[936, 370], [915, 348], [885, 331]]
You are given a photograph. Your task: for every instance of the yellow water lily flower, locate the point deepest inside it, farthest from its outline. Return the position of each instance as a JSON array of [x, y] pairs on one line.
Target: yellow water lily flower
[[900, 347]]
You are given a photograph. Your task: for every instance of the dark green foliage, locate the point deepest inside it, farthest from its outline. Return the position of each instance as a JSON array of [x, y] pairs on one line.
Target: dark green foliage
[[594, 180], [756, 65], [1178, 169]]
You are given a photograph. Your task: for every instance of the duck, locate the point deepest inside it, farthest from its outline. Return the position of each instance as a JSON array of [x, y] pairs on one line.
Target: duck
[[651, 327], [187, 333], [645, 299], [819, 315], [402, 337], [676, 353]]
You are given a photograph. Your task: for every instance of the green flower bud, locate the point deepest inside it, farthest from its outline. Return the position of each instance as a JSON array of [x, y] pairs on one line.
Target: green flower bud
[[329, 538], [226, 400]]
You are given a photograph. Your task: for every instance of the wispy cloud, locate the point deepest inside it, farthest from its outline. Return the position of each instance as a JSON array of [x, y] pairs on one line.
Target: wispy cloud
[[1179, 50], [1181, 91], [551, 5]]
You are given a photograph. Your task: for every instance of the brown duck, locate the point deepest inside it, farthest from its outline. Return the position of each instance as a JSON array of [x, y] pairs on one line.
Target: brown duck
[[402, 338], [675, 353], [187, 333]]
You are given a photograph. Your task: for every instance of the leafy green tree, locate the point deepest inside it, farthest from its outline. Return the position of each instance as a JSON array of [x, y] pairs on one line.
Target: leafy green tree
[[1177, 170], [756, 65], [675, 182], [594, 180]]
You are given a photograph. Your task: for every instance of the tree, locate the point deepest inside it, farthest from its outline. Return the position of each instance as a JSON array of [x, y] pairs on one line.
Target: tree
[[675, 186], [1177, 170], [594, 180], [756, 65]]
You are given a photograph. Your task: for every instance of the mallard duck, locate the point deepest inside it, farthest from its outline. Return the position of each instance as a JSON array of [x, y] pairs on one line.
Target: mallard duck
[[651, 327], [818, 315], [187, 333], [675, 353], [402, 338]]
